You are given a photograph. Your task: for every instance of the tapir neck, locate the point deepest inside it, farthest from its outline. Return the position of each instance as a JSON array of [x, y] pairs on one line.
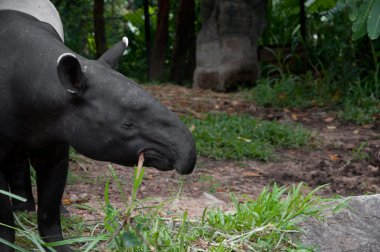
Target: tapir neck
[[28, 68]]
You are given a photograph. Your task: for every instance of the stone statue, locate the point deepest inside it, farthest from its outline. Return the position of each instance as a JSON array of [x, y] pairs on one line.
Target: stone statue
[[227, 43]]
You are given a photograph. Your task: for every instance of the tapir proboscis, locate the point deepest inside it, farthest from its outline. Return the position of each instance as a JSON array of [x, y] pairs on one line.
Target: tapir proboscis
[[51, 98]]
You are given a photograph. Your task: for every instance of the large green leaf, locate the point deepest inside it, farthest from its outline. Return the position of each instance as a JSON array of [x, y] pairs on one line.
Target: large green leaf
[[373, 22], [359, 27], [353, 5]]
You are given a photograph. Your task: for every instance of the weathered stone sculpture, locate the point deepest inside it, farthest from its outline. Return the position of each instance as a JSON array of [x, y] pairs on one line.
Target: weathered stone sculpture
[[355, 229], [227, 43]]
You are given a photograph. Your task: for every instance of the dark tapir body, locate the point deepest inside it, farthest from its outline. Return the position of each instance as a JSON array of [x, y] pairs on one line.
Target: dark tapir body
[[51, 98], [17, 167]]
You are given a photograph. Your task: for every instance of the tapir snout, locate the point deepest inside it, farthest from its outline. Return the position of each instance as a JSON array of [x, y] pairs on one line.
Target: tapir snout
[[186, 165]]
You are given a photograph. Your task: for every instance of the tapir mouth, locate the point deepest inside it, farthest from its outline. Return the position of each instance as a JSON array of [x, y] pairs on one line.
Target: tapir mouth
[[154, 158]]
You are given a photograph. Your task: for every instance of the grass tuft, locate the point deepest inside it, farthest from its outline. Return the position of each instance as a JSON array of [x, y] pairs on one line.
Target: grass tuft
[[292, 91], [223, 136], [264, 224], [357, 100]]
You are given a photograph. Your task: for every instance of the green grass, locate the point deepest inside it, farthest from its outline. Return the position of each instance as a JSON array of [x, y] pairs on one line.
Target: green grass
[[209, 183], [291, 91], [240, 137], [27, 238], [356, 100], [361, 102], [365, 110], [359, 152], [265, 224]]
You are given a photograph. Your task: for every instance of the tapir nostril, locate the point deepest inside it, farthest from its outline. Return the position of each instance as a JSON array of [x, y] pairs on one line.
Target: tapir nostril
[[187, 165]]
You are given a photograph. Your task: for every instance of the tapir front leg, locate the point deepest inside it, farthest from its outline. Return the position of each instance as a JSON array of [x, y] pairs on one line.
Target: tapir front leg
[[17, 174], [6, 216], [51, 166]]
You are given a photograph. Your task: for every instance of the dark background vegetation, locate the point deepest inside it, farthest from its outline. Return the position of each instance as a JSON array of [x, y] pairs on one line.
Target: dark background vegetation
[[307, 53]]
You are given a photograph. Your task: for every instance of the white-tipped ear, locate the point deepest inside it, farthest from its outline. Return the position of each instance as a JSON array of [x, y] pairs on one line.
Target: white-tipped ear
[[70, 73], [64, 55], [112, 56], [126, 41]]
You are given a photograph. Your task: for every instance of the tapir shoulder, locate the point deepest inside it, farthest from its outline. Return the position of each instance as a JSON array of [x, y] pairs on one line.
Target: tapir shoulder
[[42, 10]]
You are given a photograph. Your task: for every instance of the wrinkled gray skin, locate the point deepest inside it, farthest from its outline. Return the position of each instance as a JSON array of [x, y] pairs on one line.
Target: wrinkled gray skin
[[51, 98]]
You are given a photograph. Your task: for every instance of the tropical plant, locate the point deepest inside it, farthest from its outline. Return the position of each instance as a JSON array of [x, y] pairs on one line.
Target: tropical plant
[[365, 18]]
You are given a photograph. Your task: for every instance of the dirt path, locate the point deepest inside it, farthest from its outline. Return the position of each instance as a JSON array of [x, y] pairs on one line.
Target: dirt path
[[337, 160]]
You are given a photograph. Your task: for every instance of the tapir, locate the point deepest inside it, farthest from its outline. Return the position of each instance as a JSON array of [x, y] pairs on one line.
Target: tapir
[[51, 98]]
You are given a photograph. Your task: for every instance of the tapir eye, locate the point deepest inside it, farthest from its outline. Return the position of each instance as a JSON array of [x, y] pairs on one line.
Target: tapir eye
[[128, 125]]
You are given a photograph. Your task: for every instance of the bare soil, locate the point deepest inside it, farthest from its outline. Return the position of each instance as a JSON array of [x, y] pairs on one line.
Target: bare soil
[[337, 160]]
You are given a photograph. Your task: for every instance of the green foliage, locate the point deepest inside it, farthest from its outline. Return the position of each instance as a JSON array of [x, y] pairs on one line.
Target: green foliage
[[361, 103], [134, 63], [223, 136], [291, 91], [365, 15], [359, 153], [363, 111], [356, 99], [209, 183], [282, 23], [78, 25], [115, 220], [339, 63], [264, 224], [320, 5], [28, 239]]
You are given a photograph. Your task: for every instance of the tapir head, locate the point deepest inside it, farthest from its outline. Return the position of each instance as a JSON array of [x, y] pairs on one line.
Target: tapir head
[[111, 118]]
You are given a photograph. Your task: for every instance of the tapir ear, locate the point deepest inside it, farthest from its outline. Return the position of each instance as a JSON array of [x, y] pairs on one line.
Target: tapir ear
[[70, 73], [112, 56]]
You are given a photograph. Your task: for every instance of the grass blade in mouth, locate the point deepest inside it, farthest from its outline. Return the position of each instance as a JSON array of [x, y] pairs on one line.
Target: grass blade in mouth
[[140, 163]]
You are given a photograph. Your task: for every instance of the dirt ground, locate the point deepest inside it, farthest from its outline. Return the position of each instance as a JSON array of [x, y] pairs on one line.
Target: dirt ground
[[336, 160]]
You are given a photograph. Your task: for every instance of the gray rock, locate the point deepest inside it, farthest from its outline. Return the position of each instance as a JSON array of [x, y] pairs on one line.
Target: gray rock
[[355, 228], [74, 198], [227, 43]]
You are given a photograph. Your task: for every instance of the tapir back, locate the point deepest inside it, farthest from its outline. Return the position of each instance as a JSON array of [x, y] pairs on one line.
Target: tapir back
[[42, 10]]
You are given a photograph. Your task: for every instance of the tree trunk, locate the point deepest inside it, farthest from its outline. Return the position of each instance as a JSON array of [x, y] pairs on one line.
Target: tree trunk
[[99, 27], [147, 34], [157, 63], [183, 61], [303, 20]]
